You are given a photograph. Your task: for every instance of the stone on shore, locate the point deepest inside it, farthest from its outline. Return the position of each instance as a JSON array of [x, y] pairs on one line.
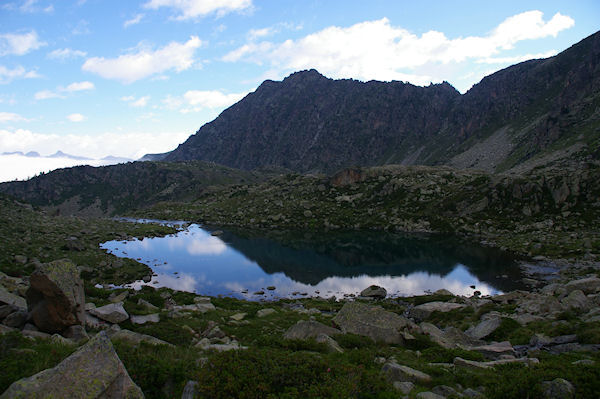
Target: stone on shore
[[374, 291]]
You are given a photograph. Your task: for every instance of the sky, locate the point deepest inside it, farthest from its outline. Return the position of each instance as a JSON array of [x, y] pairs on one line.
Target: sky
[[125, 78]]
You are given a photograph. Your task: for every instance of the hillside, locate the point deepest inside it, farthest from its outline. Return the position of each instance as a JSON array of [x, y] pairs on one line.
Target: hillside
[[308, 122]]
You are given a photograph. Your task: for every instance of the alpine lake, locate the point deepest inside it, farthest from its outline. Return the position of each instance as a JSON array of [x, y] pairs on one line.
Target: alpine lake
[[259, 265]]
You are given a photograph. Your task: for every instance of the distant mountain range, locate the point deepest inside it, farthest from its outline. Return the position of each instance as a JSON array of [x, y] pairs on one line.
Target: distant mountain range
[[529, 114], [60, 154]]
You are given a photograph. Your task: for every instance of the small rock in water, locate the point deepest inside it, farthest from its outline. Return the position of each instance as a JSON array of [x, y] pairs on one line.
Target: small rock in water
[[271, 288], [217, 233]]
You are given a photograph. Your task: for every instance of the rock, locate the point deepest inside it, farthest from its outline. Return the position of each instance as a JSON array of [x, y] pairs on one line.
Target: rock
[[115, 298], [443, 291], [93, 371], [460, 362], [423, 311], [238, 316], [471, 393], [265, 312], [202, 299], [309, 329], [429, 395], [404, 386], [93, 322], [371, 321], [445, 390], [16, 319], [577, 301], [584, 362], [374, 291], [331, 343], [537, 304], [589, 285], [397, 372], [450, 338], [5, 310], [76, 333], [113, 313], [470, 364], [135, 338], [189, 391], [217, 233], [21, 259], [558, 389], [484, 328], [205, 344], [205, 307], [147, 305], [6, 329], [495, 350], [143, 319], [55, 297], [6, 298]]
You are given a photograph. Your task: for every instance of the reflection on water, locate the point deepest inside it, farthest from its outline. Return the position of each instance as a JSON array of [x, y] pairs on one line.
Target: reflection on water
[[333, 264]]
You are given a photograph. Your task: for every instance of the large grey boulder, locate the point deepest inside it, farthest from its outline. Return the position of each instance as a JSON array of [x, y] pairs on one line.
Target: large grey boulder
[[484, 328], [134, 338], [374, 291], [55, 297], [423, 311], [558, 388], [309, 329], [371, 321], [577, 301], [113, 313], [93, 371], [449, 338], [589, 285]]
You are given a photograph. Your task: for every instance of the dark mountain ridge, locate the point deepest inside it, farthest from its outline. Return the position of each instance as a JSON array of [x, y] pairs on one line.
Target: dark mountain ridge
[[308, 122]]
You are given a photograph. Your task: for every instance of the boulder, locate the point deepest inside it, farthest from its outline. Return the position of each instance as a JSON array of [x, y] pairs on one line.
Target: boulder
[[114, 297], [404, 386], [5, 310], [494, 350], [374, 291], [558, 388], [147, 305], [429, 395], [398, 372], [113, 313], [76, 333], [16, 319], [450, 338], [423, 311], [484, 328], [148, 318], [577, 301], [332, 345], [55, 297], [189, 391], [371, 321], [589, 285], [93, 371], [6, 298], [309, 329]]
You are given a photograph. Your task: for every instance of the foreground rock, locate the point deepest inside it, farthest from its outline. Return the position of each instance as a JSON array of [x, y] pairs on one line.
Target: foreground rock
[[55, 297], [93, 371], [422, 312], [397, 372], [7, 298], [371, 321]]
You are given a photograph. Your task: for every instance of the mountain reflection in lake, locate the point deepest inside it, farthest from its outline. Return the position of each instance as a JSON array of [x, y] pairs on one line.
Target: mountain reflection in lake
[[240, 263]]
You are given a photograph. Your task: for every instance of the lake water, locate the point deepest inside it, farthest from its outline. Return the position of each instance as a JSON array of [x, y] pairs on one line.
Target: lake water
[[241, 263]]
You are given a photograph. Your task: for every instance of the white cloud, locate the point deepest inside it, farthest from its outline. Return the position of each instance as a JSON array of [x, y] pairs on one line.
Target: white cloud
[[189, 9], [258, 33], [378, 50], [197, 100], [76, 117], [19, 44], [135, 66], [11, 117], [65, 53], [8, 75], [73, 87], [133, 21], [47, 94], [79, 86], [139, 103], [30, 6], [130, 145]]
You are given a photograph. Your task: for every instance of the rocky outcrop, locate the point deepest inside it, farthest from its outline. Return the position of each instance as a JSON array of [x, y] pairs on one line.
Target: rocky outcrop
[[55, 298], [371, 321], [93, 371]]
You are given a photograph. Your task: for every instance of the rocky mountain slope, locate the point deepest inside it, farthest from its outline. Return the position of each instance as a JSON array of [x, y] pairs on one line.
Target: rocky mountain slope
[[308, 122]]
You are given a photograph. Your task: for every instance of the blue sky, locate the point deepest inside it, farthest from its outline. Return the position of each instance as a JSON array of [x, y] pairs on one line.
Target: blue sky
[[124, 78]]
